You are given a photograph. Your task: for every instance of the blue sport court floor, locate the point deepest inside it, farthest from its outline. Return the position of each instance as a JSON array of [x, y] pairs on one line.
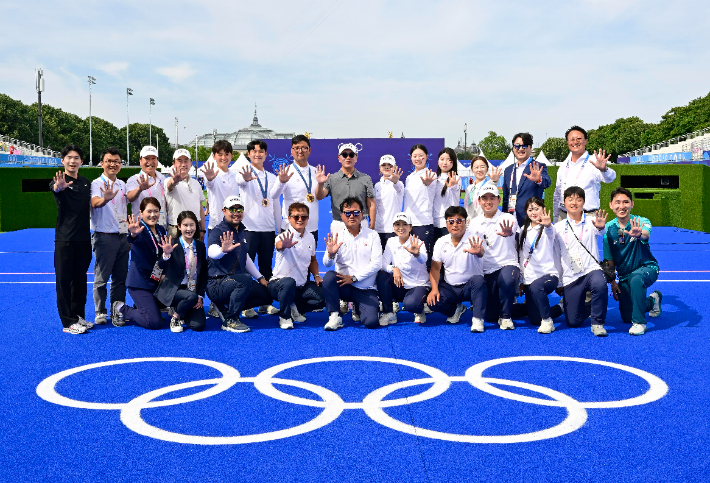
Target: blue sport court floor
[[406, 403]]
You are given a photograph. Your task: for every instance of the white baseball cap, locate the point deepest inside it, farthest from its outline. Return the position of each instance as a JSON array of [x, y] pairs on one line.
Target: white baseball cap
[[231, 201], [388, 158], [402, 216], [488, 188], [345, 146], [149, 151], [182, 152]]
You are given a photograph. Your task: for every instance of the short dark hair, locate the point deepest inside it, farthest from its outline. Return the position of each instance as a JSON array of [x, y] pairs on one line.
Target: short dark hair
[[149, 200], [349, 201], [255, 143], [186, 214], [574, 190], [455, 210], [112, 150], [72, 147], [525, 136], [419, 146], [298, 206], [299, 138], [575, 128], [222, 145], [621, 191]]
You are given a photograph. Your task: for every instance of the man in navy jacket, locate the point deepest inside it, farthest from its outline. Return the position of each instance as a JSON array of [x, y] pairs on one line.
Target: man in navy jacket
[[523, 179]]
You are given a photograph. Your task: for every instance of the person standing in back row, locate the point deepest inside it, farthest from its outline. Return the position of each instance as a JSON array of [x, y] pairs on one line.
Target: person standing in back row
[[72, 240], [149, 183], [301, 188]]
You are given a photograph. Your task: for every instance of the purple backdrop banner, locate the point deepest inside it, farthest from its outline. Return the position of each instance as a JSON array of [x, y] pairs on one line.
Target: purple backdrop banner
[[325, 152]]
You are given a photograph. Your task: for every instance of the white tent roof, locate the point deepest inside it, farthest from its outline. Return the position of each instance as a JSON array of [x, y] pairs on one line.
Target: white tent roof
[[541, 158]]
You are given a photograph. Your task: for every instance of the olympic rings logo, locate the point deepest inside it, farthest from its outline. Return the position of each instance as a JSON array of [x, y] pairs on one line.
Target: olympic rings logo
[[333, 405]]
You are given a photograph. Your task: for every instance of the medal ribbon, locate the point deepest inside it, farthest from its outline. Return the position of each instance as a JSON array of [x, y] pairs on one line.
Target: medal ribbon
[[265, 187], [309, 185]]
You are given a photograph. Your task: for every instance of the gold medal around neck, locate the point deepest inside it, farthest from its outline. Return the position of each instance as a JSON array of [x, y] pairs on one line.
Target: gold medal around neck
[[310, 198], [265, 202]]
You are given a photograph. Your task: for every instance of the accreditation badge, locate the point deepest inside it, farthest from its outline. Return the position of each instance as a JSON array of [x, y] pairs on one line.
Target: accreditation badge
[[192, 285], [575, 262], [122, 223], [511, 203], [162, 219], [156, 273]]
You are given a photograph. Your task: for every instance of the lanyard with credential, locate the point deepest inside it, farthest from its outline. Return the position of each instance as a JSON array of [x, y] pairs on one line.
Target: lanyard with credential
[[578, 172], [152, 237], [309, 185], [514, 176], [534, 244], [473, 195], [162, 192], [113, 200]]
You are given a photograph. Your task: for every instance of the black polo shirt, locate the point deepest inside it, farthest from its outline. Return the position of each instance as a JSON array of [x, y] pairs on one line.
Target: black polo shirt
[[73, 210]]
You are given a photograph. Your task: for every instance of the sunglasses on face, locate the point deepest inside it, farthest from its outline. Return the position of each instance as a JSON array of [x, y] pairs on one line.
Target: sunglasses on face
[[300, 217], [348, 155], [521, 146], [236, 210], [455, 221], [355, 213]]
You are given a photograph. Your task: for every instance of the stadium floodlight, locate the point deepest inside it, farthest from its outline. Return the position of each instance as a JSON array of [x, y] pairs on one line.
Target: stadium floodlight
[[129, 92], [150, 121], [91, 82]]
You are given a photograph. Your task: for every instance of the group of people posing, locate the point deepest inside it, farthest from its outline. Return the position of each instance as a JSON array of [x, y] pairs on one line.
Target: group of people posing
[[410, 242]]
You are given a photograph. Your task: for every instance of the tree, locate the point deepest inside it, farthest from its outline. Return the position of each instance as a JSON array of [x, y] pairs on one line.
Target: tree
[[495, 146], [554, 149]]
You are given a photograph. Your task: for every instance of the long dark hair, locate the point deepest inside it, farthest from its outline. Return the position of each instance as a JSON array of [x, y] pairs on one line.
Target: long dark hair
[[539, 202], [454, 166]]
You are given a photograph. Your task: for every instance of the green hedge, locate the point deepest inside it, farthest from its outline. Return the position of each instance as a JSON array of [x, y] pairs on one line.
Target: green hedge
[[686, 207], [20, 210]]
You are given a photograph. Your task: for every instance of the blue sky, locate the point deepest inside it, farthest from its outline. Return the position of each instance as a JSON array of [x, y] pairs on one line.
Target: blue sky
[[344, 68]]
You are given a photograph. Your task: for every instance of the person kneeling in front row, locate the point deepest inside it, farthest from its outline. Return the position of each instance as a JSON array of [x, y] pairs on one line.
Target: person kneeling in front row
[[404, 276], [184, 264], [626, 247], [357, 255], [460, 254], [231, 269], [295, 258]]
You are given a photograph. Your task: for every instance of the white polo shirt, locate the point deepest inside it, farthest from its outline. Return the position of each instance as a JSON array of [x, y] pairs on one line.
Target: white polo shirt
[[218, 190], [256, 216], [419, 199], [500, 251], [542, 260], [360, 256], [452, 197], [296, 191], [106, 219], [460, 265], [583, 174], [413, 269], [186, 195], [294, 262], [566, 244], [156, 191], [388, 200]]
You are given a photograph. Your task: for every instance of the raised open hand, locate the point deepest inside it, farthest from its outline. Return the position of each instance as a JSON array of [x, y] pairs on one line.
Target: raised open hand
[[429, 177], [535, 172], [107, 191], [495, 174], [210, 171], [177, 175], [60, 183], [506, 228], [415, 245], [321, 177], [287, 240], [227, 242], [453, 180], [475, 246], [600, 159], [396, 174], [332, 245], [167, 246], [600, 219], [134, 225], [247, 173], [545, 219], [636, 230], [144, 182], [284, 175]]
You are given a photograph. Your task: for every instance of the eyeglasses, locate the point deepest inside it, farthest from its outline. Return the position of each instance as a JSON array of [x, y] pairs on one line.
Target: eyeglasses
[[455, 221], [235, 210], [348, 155], [521, 146], [299, 217], [355, 213], [109, 163], [299, 149]]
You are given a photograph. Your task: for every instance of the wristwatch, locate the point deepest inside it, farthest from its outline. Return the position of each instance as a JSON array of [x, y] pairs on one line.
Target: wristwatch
[[354, 278]]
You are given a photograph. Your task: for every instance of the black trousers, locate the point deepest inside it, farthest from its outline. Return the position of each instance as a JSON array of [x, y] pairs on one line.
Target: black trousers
[[261, 246], [71, 261]]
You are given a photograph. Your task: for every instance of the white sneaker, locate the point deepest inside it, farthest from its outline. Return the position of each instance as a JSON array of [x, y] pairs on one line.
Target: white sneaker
[[85, 323], [176, 325], [506, 324], [395, 307], [285, 323], [335, 322], [343, 307], [388, 319], [427, 310], [356, 316], [599, 330], [454, 319], [546, 327], [75, 328], [637, 329], [296, 316], [100, 319], [656, 310], [419, 318], [250, 314], [477, 325], [268, 309]]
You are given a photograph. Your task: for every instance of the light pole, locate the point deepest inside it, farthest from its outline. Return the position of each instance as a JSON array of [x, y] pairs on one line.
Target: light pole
[[91, 81], [465, 139], [129, 92], [150, 120], [40, 89], [176, 133]]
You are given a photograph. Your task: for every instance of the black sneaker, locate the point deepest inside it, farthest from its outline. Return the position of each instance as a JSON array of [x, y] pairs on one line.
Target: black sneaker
[[233, 325]]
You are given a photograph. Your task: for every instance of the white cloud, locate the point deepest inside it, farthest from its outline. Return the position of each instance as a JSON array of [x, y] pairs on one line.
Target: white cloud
[[177, 73], [114, 68]]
